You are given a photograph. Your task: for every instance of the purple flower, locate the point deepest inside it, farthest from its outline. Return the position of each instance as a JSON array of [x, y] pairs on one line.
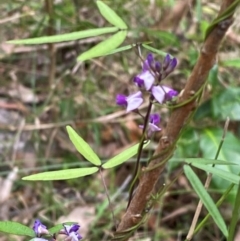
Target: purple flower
[[145, 79], [131, 102], [163, 93], [170, 94], [148, 63], [154, 120], [72, 232], [152, 70], [169, 65], [39, 228]]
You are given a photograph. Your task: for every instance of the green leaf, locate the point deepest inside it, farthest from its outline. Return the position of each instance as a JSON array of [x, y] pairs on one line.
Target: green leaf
[[229, 176], [165, 37], [62, 174], [157, 51], [16, 228], [123, 156], [104, 47], [227, 104], [209, 142], [213, 75], [232, 63], [121, 49], [235, 216], [204, 110], [206, 199], [65, 37], [205, 161], [83, 147], [110, 15]]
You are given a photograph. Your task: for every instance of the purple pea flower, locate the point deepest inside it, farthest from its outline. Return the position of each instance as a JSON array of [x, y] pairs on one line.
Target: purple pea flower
[[163, 93], [152, 69], [169, 65], [154, 120], [131, 102], [39, 228], [146, 78], [148, 63], [72, 232], [170, 94]]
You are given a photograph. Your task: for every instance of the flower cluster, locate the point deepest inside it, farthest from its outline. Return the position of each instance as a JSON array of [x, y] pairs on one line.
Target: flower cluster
[[70, 231], [153, 72]]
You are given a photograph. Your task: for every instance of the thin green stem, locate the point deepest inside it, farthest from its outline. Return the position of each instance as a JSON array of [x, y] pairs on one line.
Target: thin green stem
[[235, 216]]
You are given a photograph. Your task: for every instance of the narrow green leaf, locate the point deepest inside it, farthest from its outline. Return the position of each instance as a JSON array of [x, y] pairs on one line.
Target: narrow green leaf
[[123, 156], [110, 15], [229, 176], [83, 147], [61, 174], [235, 216], [16, 228], [104, 47], [206, 199], [121, 49], [65, 37], [205, 161], [157, 51]]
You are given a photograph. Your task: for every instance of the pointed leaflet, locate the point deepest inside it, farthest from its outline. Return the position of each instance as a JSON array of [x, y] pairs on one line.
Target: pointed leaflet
[[209, 142], [229, 176], [157, 51], [104, 47], [62, 174], [65, 37], [123, 156], [205, 161], [110, 15], [16, 228], [206, 199], [83, 147], [121, 49]]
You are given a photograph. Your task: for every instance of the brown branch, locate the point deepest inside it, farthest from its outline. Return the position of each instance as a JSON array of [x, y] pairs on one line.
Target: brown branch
[[180, 116]]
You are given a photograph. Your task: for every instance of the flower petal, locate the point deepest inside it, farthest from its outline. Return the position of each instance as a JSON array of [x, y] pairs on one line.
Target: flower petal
[[134, 103], [172, 93], [171, 66], [154, 119], [147, 78], [39, 228], [153, 128], [138, 81], [121, 100], [158, 93]]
